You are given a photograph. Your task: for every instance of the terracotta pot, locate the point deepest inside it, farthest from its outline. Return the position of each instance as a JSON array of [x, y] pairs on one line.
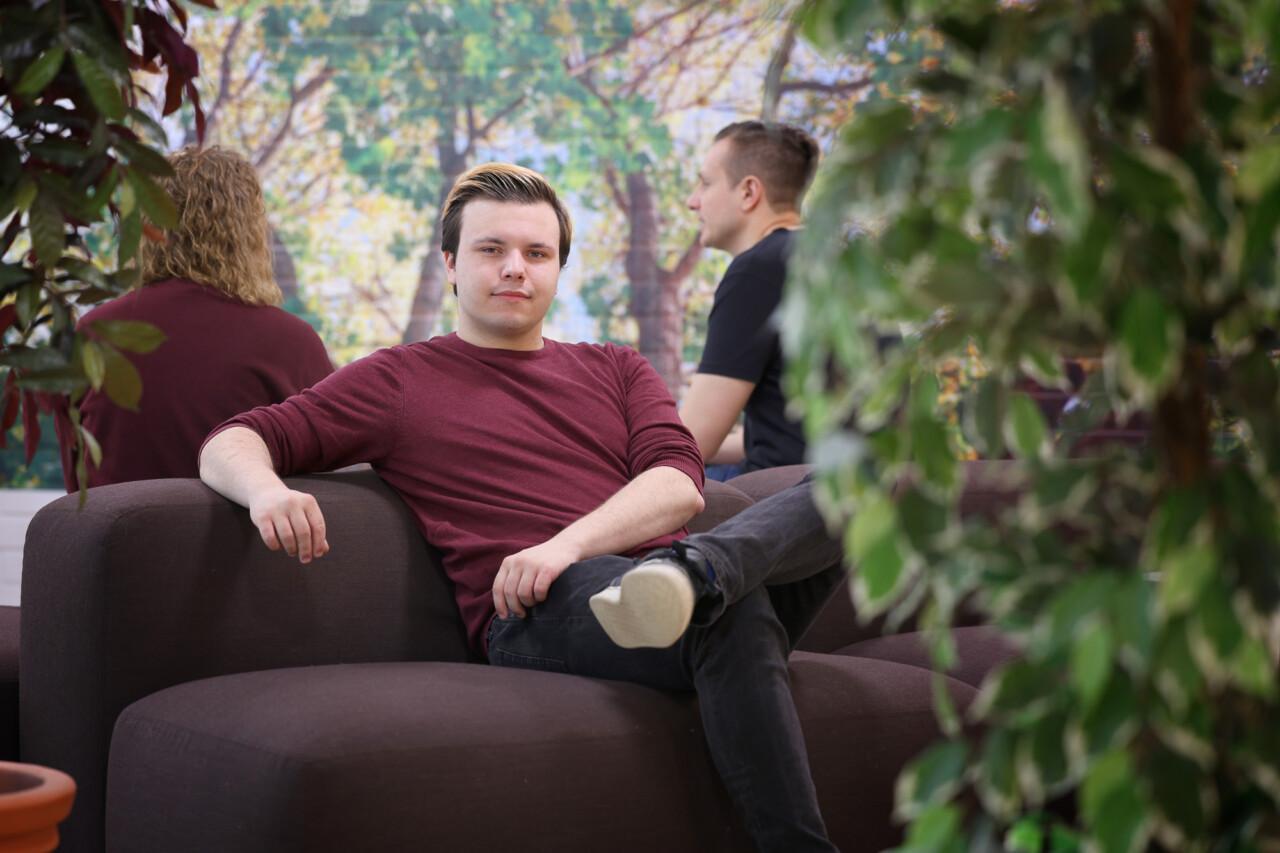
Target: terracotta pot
[[33, 801]]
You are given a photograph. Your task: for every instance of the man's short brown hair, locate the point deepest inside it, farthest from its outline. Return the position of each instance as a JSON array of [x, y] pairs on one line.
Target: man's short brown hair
[[782, 156], [501, 182]]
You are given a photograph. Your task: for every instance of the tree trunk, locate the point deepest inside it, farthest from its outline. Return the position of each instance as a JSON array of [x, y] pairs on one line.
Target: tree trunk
[[655, 295], [424, 312], [282, 267]]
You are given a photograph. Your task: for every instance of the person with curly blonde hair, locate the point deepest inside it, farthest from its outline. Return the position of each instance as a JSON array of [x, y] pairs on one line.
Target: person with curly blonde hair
[[228, 347]]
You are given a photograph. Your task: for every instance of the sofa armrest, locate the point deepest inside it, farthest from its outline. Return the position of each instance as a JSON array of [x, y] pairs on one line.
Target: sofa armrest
[[159, 582]]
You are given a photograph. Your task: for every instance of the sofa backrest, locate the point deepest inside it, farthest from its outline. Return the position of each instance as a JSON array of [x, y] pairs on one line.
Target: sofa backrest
[[159, 582]]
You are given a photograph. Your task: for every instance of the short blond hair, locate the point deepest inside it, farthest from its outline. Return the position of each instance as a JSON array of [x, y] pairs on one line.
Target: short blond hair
[[501, 182], [222, 239]]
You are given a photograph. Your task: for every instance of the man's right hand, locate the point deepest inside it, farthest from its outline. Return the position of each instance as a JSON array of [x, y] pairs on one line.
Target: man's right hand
[[291, 520]]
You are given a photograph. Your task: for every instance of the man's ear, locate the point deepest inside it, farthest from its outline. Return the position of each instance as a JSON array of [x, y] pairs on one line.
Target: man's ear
[[450, 272], [752, 193]]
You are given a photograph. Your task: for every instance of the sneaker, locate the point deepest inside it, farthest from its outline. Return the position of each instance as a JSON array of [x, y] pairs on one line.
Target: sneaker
[[649, 607]]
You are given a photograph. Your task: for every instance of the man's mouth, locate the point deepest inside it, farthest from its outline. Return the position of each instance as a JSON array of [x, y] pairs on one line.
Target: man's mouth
[[512, 294]]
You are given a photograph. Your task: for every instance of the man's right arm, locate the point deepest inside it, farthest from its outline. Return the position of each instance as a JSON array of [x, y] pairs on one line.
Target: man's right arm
[[236, 464]]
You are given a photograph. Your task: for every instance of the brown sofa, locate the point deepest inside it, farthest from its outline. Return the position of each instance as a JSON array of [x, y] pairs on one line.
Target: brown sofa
[[208, 694]]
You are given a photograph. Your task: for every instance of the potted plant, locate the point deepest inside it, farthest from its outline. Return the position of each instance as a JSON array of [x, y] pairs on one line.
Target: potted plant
[[33, 801], [1097, 180], [78, 163]]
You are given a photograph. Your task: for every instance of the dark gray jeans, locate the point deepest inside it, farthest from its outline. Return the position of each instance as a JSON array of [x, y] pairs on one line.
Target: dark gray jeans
[[775, 567]]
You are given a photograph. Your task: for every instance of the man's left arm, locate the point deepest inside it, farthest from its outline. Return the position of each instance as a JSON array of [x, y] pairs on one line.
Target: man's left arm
[[656, 502]]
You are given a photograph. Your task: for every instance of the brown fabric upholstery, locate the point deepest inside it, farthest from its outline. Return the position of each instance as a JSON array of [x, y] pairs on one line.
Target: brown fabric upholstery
[[979, 649], [723, 502], [158, 582], [767, 481], [9, 623], [413, 756]]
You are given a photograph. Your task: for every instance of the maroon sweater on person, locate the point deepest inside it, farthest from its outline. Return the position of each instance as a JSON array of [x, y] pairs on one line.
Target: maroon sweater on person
[[493, 450], [220, 357]]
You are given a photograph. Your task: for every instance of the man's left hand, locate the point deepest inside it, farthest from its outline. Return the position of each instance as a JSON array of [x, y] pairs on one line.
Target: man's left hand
[[525, 577]]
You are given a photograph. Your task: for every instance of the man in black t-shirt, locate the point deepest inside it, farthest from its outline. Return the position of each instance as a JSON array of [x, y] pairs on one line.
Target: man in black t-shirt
[[748, 203]]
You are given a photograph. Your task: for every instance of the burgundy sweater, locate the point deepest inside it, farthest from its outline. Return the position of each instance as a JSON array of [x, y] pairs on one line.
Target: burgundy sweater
[[494, 451], [220, 357]]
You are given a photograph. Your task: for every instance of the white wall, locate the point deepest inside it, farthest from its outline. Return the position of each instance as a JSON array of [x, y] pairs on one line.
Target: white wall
[[17, 506]]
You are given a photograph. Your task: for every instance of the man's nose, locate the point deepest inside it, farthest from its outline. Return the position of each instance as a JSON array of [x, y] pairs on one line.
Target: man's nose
[[513, 267], [692, 201]]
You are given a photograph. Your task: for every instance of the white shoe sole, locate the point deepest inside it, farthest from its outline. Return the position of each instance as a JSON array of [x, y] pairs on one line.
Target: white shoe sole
[[650, 609]]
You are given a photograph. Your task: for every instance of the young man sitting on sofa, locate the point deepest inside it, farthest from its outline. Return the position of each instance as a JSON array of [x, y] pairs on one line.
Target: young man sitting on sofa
[[543, 471]]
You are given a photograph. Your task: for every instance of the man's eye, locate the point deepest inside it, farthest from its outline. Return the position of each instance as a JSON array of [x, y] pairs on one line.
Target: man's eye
[[536, 253], [489, 250]]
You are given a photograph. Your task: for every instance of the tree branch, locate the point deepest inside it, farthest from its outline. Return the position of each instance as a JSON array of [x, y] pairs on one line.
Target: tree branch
[[296, 97], [777, 67], [620, 44], [619, 198], [688, 260], [214, 112], [841, 88]]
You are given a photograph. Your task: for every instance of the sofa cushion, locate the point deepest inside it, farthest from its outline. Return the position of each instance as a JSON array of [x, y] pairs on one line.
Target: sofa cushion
[[399, 756], [979, 649], [9, 618], [723, 502]]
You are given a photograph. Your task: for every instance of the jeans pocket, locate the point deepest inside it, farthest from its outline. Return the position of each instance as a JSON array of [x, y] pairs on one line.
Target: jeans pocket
[[502, 657]]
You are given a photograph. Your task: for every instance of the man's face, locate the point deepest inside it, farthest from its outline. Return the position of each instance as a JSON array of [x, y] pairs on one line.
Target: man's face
[[717, 200], [506, 269]]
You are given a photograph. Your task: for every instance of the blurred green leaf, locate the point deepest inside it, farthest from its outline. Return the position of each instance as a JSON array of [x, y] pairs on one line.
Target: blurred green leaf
[[47, 233], [1060, 162], [984, 416], [1025, 429], [1148, 336], [1260, 170], [130, 335], [936, 830], [873, 545], [98, 82], [1184, 575], [154, 200], [95, 364], [91, 444], [1025, 836], [41, 72], [932, 778], [130, 236], [1091, 663], [1112, 804], [122, 382]]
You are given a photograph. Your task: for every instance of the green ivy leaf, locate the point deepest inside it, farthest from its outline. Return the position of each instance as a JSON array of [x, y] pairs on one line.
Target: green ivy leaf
[[1113, 805], [932, 778], [1091, 663], [984, 417], [997, 779], [1025, 429], [101, 86], [1061, 161], [41, 72], [1260, 170], [130, 335], [1025, 836], [1148, 337], [1184, 575], [873, 544], [936, 830]]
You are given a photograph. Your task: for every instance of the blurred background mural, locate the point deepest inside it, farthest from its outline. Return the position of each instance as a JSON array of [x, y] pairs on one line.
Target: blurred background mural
[[359, 114]]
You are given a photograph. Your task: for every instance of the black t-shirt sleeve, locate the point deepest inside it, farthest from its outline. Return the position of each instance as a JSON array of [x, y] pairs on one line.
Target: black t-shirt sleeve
[[740, 333]]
